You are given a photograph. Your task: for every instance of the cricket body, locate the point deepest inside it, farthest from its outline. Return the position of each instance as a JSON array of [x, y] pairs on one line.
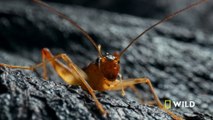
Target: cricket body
[[101, 75]]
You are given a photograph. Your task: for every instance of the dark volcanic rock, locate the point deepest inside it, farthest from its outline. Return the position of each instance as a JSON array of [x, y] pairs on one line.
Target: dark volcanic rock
[[178, 62], [26, 97]]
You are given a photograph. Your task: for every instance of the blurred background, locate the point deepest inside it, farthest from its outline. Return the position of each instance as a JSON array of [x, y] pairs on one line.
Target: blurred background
[[200, 17]]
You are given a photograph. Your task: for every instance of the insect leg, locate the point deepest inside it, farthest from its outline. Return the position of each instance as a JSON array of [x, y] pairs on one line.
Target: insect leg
[[137, 92], [131, 82], [33, 67], [14, 66], [86, 85], [139, 95], [70, 65], [62, 70]]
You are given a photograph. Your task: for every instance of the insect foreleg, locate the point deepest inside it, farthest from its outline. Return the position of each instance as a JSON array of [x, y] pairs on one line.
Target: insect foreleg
[[131, 82]]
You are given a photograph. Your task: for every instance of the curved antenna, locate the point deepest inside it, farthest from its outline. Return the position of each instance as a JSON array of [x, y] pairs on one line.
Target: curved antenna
[[161, 21], [41, 3]]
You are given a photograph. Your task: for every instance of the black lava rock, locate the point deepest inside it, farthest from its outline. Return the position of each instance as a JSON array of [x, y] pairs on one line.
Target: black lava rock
[[178, 61]]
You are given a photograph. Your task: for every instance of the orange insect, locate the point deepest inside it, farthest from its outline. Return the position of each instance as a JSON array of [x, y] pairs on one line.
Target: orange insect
[[101, 75]]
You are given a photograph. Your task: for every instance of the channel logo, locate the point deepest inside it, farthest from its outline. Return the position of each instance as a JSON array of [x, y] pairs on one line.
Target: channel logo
[[184, 104]]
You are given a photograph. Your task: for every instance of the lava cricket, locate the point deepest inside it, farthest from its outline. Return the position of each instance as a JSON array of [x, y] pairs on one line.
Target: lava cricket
[[104, 73]]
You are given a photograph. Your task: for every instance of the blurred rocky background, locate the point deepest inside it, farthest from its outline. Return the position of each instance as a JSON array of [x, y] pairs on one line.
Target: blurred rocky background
[[200, 17], [177, 57]]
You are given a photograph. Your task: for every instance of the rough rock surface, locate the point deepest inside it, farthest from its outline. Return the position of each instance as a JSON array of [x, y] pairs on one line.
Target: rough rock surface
[[179, 63]]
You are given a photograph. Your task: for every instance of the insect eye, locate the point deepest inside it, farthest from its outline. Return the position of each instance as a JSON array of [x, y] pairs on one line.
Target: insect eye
[[98, 60]]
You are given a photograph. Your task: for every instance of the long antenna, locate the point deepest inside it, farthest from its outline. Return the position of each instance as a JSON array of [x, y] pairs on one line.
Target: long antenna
[[51, 9], [168, 17]]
